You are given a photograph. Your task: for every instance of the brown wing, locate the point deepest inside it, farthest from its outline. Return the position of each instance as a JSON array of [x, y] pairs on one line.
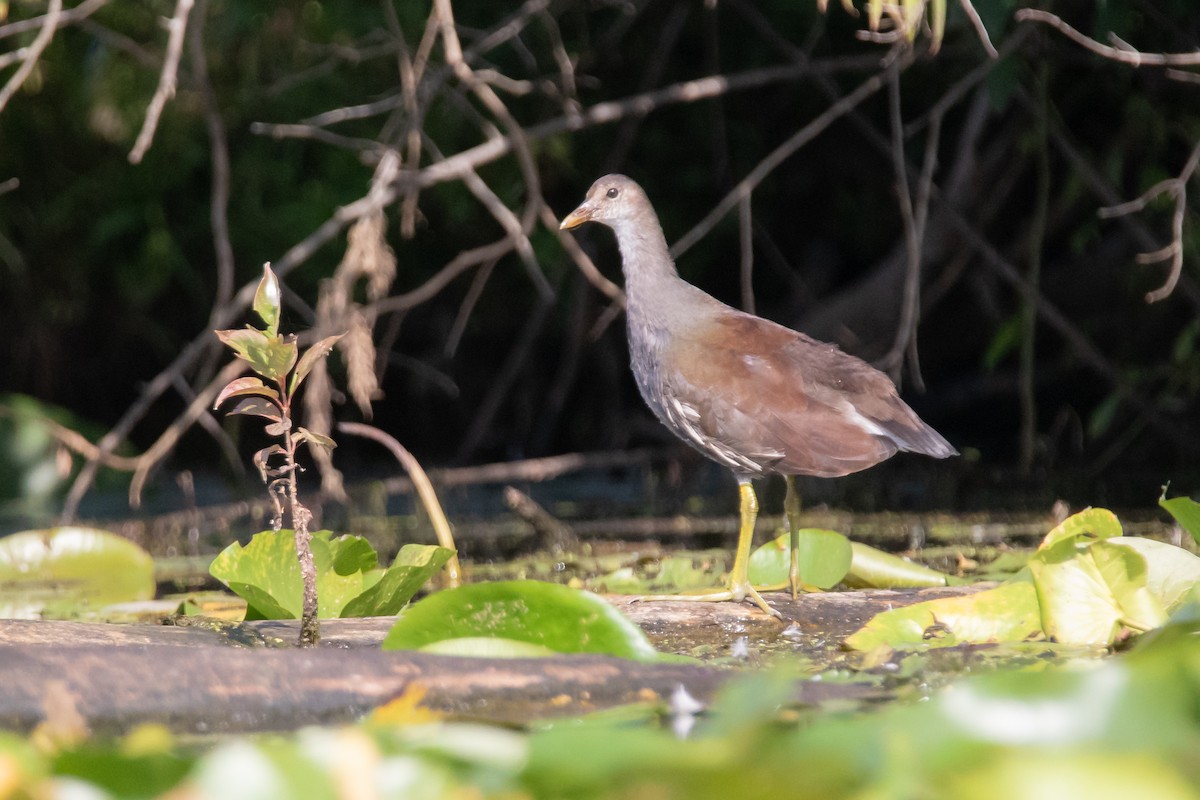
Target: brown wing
[[788, 403]]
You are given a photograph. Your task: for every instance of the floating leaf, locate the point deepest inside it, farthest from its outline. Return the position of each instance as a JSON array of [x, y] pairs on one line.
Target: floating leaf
[[1186, 512], [268, 300], [875, 569], [487, 647], [824, 557], [415, 564], [266, 573], [1089, 589], [1008, 613], [310, 358], [65, 571], [1172, 573], [349, 581], [562, 619], [1096, 523]]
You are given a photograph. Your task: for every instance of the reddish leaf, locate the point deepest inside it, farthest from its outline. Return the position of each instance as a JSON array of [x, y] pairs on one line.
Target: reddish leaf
[[279, 428], [310, 358], [245, 386], [263, 456], [257, 407]]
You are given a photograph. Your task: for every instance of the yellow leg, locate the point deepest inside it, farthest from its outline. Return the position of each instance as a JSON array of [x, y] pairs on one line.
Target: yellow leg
[[791, 507], [739, 577]]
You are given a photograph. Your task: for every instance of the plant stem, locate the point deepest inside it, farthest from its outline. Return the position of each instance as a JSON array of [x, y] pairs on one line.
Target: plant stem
[[310, 625]]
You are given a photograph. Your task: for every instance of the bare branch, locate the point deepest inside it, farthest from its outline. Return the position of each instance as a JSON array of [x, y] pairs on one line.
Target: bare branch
[[32, 53], [1126, 54], [777, 156], [1177, 188], [219, 151], [176, 27]]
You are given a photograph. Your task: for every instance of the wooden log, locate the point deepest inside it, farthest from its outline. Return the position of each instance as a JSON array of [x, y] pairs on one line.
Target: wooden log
[[213, 677]]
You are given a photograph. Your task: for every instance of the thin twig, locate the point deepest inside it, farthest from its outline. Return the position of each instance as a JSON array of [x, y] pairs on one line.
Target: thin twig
[[176, 27], [777, 156], [168, 438], [68, 17], [219, 151], [420, 481], [1177, 188], [1126, 55], [33, 52]]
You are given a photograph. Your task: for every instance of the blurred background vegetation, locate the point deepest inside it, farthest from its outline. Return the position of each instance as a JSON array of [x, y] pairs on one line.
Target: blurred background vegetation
[[108, 269]]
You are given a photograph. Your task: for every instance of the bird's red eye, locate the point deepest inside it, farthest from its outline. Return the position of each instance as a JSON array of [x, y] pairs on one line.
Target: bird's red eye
[[613, 192]]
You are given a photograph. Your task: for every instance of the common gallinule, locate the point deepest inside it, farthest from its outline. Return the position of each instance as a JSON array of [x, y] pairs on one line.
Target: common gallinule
[[752, 395]]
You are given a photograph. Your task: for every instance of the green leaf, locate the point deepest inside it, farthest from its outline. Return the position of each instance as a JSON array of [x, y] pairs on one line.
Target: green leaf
[[824, 559], [66, 571], [1186, 512], [310, 358], [415, 564], [270, 356], [1092, 523], [1008, 613], [318, 439], [545, 614], [874, 569], [1089, 589], [1172, 573], [1125, 572], [487, 647], [266, 573], [268, 300]]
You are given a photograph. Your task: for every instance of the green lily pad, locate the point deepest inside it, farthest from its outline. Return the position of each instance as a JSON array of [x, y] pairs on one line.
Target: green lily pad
[[874, 569], [66, 571], [548, 615], [487, 647], [1008, 613], [1089, 590], [823, 555], [1186, 512], [1094, 523], [414, 565], [1172, 573], [266, 573]]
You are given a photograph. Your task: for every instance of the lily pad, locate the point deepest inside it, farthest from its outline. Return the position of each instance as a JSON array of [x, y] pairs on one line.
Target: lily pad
[[548, 615], [1008, 613], [874, 569], [414, 565], [1186, 512], [66, 571], [824, 558], [266, 573], [1089, 590], [1172, 573]]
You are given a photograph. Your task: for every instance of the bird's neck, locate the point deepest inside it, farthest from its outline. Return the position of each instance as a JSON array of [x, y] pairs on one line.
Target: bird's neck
[[649, 270]]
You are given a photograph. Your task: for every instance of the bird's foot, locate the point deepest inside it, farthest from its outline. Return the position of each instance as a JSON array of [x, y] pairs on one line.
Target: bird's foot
[[735, 593]]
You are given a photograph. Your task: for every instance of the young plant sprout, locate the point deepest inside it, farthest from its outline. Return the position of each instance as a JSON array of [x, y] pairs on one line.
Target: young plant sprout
[[281, 369]]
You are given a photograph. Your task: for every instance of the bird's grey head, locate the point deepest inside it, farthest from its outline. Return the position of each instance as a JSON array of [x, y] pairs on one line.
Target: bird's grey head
[[612, 200]]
